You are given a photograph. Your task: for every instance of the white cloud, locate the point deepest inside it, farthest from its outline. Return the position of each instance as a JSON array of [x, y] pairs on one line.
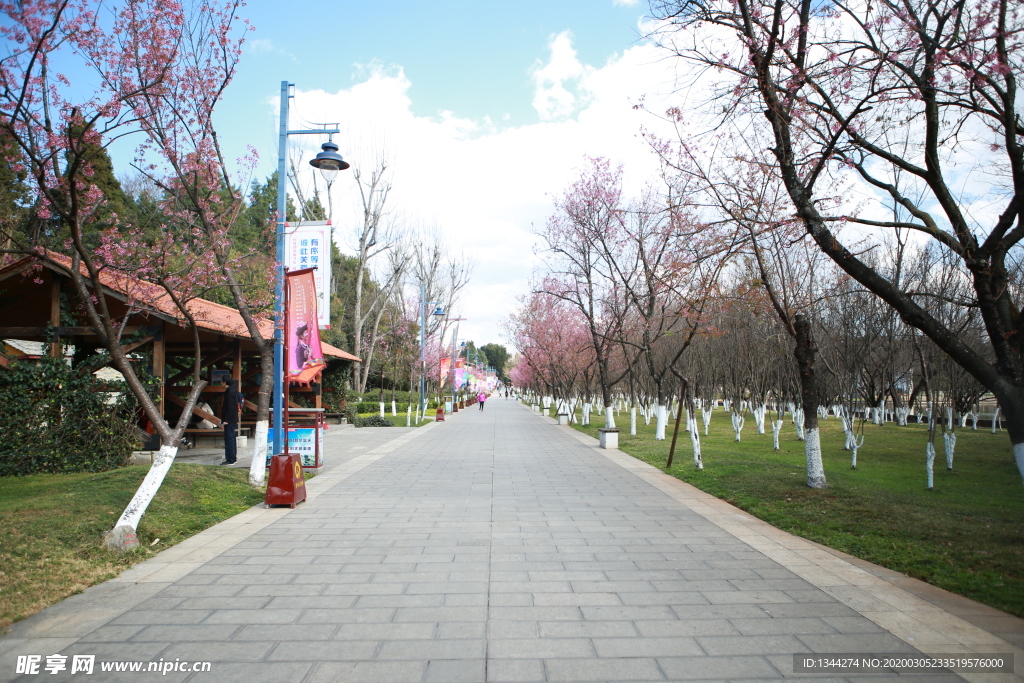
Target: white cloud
[[487, 187], [625, 3], [553, 98]]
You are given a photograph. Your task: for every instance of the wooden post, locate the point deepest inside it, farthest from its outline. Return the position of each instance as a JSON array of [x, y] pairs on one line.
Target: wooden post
[[236, 364], [160, 366], [56, 348]]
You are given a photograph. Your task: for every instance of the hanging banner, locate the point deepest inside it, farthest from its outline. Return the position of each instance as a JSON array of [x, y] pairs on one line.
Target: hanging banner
[[309, 246], [304, 358]]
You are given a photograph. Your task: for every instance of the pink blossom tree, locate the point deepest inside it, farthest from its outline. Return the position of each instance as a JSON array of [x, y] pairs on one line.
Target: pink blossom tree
[[162, 67]]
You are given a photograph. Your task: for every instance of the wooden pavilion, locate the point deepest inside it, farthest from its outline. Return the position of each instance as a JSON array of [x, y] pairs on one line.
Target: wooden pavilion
[[38, 303]]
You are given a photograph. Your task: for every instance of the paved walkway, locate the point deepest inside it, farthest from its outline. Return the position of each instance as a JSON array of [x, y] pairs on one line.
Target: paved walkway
[[498, 546]]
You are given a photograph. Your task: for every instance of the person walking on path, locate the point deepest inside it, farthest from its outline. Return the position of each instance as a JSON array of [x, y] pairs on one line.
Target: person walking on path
[[232, 408], [481, 397]]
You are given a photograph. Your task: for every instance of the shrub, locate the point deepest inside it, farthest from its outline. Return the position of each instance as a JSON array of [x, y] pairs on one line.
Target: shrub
[[373, 421], [59, 419]]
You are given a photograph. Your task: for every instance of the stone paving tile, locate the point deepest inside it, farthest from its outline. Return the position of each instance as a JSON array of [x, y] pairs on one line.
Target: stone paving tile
[[493, 547]]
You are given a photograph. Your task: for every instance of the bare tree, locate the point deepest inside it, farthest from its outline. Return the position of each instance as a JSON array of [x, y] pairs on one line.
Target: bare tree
[[872, 90]]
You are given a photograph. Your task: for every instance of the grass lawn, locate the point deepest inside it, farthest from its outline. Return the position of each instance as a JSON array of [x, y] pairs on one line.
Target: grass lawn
[[51, 526], [966, 535]]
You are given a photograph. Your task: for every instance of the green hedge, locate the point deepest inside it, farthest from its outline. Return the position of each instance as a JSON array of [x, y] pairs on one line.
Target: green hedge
[[373, 421], [56, 419]]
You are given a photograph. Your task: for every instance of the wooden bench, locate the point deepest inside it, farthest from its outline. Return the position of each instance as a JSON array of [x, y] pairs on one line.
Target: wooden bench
[[193, 434]]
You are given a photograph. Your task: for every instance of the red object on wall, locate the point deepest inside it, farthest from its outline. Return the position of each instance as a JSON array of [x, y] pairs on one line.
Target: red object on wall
[[287, 485]]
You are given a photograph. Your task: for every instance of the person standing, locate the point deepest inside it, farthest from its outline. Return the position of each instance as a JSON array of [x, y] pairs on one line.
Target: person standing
[[232, 409], [481, 397]]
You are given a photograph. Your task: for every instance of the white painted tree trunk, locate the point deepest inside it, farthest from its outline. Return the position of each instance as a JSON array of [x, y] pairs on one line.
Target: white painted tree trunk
[[776, 428], [1018, 455], [949, 416], [705, 414], [854, 447], [632, 420], [648, 411], [949, 441], [848, 431], [815, 469], [726, 404], [901, 416], [689, 421], [823, 412], [792, 411], [408, 415], [585, 418], [929, 459], [974, 420], [394, 408], [382, 408], [995, 421], [123, 536], [698, 459], [737, 424], [798, 422], [609, 418], [258, 466], [759, 412], [659, 429]]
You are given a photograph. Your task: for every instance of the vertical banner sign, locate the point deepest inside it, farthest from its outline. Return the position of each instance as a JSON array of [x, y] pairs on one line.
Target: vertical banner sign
[[309, 246], [460, 373], [304, 358]]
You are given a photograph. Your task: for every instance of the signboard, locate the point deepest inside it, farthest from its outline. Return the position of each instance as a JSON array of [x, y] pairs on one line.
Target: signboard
[[302, 441], [308, 245], [304, 357]]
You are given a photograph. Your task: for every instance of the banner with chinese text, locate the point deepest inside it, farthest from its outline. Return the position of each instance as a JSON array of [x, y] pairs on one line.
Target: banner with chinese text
[[309, 246]]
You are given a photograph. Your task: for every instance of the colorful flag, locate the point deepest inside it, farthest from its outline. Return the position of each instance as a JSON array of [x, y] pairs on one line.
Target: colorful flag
[[304, 359]]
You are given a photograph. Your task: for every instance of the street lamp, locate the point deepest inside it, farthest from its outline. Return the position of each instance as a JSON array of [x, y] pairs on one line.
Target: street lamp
[[329, 162], [438, 313]]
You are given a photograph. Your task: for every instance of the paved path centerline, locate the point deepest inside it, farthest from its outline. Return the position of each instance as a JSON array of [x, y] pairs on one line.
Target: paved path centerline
[[500, 547]]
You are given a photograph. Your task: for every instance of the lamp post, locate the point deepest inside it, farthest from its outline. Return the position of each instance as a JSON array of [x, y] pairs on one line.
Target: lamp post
[[329, 162], [438, 313]]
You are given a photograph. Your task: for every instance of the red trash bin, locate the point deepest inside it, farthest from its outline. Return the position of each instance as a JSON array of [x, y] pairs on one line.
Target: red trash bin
[[286, 484]]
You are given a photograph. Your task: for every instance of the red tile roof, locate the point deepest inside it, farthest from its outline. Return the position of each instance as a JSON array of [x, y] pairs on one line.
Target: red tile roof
[[208, 315]]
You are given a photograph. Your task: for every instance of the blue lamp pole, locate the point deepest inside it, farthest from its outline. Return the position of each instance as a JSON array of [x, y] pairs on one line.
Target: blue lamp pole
[[329, 162]]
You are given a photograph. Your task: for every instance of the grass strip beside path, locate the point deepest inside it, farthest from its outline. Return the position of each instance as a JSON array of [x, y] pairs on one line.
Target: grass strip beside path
[[966, 535], [51, 526]]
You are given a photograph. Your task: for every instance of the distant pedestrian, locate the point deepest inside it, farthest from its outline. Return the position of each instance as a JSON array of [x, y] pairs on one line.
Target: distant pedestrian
[[481, 397], [232, 409]]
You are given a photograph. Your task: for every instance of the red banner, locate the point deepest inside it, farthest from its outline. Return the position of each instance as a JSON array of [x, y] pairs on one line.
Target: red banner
[[304, 359]]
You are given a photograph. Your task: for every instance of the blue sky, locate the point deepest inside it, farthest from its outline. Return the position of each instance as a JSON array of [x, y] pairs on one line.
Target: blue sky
[[470, 58]]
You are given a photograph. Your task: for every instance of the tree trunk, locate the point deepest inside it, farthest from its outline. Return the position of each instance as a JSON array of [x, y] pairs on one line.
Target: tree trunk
[[805, 351]]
